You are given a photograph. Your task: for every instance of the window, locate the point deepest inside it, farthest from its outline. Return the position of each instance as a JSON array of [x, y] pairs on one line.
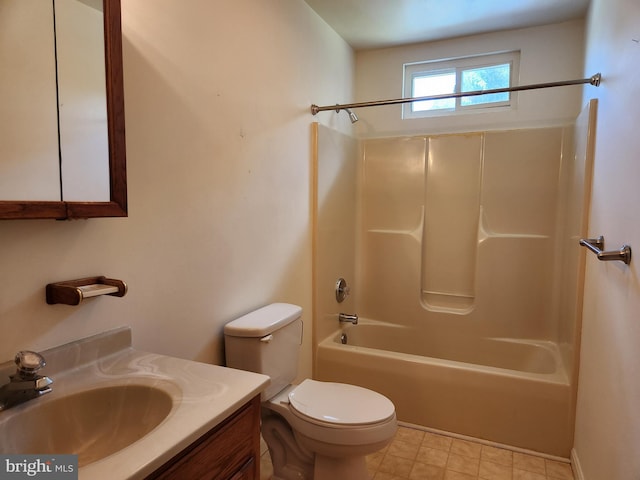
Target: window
[[459, 75]]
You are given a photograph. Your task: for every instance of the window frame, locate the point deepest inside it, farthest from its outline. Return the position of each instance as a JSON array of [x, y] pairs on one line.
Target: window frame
[[459, 65]]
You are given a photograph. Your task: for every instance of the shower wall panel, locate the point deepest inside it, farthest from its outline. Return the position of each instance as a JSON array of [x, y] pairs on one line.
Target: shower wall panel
[[460, 231], [520, 181], [392, 199], [451, 212], [335, 218], [576, 177], [394, 184], [518, 228]]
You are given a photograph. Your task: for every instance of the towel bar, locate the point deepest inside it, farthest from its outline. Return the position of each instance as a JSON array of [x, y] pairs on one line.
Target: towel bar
[[596, 245]]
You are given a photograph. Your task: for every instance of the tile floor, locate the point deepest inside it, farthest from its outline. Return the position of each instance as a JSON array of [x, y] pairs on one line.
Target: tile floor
[[418, 455]]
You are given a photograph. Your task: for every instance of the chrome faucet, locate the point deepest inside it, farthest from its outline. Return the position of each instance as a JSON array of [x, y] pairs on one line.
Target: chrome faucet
[[25, 384], [348, 318]]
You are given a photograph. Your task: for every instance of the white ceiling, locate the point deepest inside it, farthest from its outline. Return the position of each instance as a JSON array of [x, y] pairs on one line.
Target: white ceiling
[[382, 23]]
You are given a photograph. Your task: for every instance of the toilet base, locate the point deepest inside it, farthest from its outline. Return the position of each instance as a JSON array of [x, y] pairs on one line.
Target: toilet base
[[292, 460], [289, 460]]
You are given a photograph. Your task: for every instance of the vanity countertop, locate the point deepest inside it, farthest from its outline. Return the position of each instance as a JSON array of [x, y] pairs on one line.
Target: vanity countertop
[[203, 396]]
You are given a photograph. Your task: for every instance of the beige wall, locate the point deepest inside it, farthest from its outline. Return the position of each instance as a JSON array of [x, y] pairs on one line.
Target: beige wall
[[548, 53], [217, 98], [607, 424]]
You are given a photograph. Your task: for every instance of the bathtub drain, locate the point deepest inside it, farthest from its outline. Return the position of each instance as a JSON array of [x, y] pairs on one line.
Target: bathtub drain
[[343, 338]]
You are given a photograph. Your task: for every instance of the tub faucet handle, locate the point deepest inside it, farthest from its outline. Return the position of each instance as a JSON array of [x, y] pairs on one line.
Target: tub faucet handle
[[342, 290], [348, 318]]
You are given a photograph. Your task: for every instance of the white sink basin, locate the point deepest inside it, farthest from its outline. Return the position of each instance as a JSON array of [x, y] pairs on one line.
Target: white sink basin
[[92, 424]]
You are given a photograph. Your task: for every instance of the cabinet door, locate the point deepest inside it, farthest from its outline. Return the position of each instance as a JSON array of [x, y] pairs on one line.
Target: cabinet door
[[247, 472], [228, 452]]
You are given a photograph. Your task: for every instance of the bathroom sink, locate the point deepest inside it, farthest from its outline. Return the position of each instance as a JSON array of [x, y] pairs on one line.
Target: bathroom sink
[[126, 413], [92, 423]]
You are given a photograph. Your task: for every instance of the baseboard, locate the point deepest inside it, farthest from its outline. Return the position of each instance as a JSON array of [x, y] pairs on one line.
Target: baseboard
[[575, 465]]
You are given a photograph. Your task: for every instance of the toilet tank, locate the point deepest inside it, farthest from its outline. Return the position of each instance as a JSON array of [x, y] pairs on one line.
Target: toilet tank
[[266, 341]]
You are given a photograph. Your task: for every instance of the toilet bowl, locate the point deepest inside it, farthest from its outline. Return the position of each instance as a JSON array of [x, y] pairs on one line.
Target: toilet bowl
[[314, 430], [338, 424]]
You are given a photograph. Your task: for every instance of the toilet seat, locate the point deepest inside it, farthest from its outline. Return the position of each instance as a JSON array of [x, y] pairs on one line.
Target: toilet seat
[[339, 404]]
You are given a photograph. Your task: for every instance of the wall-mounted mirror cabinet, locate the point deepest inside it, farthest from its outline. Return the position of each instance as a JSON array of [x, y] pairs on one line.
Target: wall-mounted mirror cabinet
[[62, 140]]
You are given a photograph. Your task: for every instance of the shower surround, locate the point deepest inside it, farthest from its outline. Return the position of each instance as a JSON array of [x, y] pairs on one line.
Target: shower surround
[[462, 253]]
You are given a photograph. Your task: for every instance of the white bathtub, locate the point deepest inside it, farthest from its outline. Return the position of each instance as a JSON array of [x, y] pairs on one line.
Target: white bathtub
[[514, 392]]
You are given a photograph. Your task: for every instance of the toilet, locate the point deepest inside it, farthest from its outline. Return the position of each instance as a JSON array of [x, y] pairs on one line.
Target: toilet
[[314, 430]]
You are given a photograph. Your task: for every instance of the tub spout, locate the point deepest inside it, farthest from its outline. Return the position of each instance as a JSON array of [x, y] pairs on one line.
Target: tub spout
[[348, 318]]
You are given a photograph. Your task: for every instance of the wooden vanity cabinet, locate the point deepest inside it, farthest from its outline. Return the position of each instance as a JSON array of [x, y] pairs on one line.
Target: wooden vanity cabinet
[[230, 451]]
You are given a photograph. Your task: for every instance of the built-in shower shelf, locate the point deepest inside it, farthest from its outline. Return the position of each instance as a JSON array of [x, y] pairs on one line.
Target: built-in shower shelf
[[458, 303], [72, 292]]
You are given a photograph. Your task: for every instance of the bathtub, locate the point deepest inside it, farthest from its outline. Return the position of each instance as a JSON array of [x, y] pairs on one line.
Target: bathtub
[[508, 391]]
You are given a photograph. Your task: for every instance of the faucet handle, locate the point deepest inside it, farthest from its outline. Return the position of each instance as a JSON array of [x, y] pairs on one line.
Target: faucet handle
[[29, 362], [342, 290]]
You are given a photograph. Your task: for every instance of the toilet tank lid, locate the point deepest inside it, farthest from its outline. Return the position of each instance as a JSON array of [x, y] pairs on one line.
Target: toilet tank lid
[[263, 321]]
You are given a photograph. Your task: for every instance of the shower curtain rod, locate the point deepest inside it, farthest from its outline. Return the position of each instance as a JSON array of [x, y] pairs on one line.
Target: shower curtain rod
[[593, 80]]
